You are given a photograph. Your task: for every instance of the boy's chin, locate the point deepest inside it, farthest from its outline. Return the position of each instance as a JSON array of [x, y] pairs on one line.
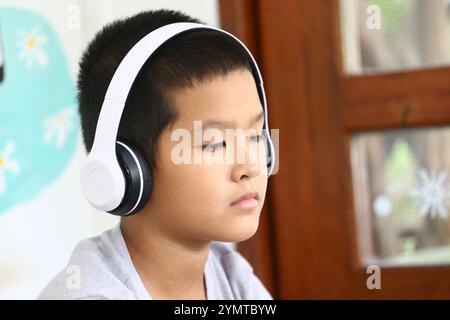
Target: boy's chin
[[236, 234]]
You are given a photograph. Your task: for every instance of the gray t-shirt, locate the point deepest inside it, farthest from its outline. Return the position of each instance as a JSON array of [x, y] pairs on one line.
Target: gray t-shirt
[[101, 268]]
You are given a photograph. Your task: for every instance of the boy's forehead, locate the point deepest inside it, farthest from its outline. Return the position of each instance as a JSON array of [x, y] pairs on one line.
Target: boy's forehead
[[230, 100]]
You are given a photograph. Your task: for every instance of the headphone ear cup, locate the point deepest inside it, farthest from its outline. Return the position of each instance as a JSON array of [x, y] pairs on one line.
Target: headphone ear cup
[[138, 180], [269, 150]]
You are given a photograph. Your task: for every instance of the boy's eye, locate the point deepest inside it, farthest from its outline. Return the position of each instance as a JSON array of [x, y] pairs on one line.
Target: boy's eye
[[256, 138], [213, 146]]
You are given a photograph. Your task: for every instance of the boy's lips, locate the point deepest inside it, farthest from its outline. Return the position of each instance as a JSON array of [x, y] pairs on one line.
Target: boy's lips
[[248, 200]]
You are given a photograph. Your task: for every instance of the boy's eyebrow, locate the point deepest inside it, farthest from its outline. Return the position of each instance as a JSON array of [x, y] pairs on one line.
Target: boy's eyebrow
[[229, 124]]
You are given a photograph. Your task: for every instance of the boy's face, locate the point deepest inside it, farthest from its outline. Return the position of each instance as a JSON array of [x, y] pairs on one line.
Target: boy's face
[[194, 200]]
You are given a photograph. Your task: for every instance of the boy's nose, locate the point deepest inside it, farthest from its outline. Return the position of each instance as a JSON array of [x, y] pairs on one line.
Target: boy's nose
[[245, 171]]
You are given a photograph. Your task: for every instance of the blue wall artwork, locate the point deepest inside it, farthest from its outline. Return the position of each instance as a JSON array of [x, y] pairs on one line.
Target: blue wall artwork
[[39, 126]]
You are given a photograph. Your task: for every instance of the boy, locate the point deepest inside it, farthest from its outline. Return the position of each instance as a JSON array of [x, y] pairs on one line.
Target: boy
[[171, 249]]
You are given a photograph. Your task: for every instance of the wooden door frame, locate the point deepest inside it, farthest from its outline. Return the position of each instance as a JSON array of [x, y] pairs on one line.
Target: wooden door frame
[[309, 223]]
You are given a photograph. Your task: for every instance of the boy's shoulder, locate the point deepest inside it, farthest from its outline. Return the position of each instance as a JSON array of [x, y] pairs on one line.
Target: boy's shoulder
[[90, 273], [99, 269], [234, 274]]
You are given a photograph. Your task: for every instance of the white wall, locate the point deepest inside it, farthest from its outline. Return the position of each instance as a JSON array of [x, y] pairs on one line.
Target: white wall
[[38, 236]]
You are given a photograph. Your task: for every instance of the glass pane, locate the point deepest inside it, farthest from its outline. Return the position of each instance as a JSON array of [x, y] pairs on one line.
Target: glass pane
[[402, 195], [392, 35]]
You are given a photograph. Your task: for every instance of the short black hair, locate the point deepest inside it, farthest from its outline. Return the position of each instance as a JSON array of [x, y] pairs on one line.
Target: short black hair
[[197, 55]]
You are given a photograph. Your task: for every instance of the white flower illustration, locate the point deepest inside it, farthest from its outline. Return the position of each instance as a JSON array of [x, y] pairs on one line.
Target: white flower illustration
[[31, 47], [58, 126], [432, 194], [7, 163]]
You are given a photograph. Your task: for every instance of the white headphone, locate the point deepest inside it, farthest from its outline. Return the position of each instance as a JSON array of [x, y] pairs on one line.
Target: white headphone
[[116, 176]]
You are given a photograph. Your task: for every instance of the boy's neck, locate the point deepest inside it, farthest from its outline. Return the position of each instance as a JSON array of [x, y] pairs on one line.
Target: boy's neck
[[170, 268]]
